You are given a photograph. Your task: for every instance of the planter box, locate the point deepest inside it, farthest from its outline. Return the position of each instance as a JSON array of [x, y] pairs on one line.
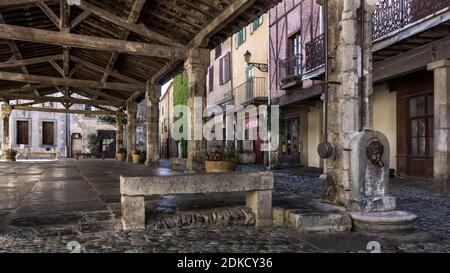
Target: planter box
[[249, 158], [220, 166]]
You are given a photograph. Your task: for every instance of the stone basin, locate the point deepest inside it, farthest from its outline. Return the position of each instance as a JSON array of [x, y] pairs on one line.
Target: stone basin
[[390, 221]]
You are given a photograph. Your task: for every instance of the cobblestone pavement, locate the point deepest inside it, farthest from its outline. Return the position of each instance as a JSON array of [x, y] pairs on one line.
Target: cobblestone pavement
[[45, 206]]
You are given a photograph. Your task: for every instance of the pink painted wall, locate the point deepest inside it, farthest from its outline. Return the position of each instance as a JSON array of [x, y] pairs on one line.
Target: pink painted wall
[[287, 18]]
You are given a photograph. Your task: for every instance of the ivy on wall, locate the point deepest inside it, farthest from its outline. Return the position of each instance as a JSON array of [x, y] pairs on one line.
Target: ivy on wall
[[180, 97]]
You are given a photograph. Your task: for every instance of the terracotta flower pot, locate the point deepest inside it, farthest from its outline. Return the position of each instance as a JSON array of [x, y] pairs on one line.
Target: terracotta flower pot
[[121, 157], [220, 166], [136, 158]]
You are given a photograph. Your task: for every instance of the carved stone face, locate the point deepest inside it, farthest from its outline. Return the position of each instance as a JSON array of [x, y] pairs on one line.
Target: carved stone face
[[374, 153]]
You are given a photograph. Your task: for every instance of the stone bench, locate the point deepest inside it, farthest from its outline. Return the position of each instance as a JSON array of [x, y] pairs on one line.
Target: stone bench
[[258, 187], [43, 154]]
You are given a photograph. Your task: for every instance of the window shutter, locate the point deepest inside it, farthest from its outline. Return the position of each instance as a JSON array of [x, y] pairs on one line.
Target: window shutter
[[227, 77], [221, 71], [211, 78]]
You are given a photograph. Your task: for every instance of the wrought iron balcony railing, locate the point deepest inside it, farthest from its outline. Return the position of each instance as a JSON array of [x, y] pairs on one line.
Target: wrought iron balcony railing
[[290, 68], [251, 89], [393, 15], [315, 53], [228, 98]]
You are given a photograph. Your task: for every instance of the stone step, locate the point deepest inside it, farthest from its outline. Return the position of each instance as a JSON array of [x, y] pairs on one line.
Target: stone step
[[305, 221]]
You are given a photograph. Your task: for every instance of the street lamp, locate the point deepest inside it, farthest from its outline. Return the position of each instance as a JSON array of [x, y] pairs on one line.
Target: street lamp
[[260, 66]]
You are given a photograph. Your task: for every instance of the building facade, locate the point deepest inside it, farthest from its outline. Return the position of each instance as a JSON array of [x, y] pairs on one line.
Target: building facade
[[233, 82], [407, 53], [66, 135]]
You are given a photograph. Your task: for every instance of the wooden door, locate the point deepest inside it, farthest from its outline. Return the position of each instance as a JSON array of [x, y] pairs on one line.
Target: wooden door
[[108, 143], [415, 125]]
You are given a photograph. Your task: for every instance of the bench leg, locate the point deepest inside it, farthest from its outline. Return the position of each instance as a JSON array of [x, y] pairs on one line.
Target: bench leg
[[260, 202], [133, 212]]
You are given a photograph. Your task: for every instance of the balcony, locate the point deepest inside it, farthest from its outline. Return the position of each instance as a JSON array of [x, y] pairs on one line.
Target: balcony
[[397, 25], [393, 15], [290, 72], [228, 99], [253, 91], [315, 53]]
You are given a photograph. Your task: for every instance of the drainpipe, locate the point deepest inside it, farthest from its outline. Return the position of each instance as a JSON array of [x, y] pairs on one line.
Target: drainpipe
[[269, 104], [325, 149], [361, 79], [68, 140]]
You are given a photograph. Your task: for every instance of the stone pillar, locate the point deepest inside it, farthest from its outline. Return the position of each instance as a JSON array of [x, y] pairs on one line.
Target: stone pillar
[[119, 133], [6, 113], [196, 68], [131, 129], [350, 95], [441, 125], [152, 101]]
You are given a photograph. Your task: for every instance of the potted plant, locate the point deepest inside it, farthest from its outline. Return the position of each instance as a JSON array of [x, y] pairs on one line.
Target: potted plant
[[121, 154], [247, 157], [219, 161], [10, 155], [136, 156]]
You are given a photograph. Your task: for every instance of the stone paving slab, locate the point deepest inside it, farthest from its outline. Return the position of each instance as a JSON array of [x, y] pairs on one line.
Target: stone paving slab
[[85, 208]]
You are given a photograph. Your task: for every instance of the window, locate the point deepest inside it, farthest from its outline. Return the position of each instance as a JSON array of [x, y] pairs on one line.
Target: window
[[295, 53], [211, 78], [22, 133], [421, 110], [256, 24], [88, 107], [225, 69], [218, 51], [48, 133], [240, 37]]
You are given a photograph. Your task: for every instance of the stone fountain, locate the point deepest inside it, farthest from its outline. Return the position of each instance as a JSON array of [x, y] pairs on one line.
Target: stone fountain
[[372, 208]]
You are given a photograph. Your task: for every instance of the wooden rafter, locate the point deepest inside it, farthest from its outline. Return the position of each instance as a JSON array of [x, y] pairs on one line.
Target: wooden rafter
[[14, 96], [70, 111], [132, 19], [100, 69], [90, 42], [50, 14], [124, 87], [25, 62], [228, 15], [124, 23]]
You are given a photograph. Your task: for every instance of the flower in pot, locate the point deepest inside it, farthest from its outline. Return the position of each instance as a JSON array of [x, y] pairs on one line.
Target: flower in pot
[[219, 161], [10, 155], [136, 156], [121, 154]]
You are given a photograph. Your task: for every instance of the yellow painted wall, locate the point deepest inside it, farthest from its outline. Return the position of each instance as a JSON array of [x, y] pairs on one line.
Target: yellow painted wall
[[258, 44], [219, 90], [385, 117], [314, 134]]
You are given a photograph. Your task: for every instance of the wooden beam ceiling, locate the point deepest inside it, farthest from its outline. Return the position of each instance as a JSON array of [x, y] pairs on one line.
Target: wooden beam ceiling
[[15, 96], [124, 87], [126, 24], [70, 111], [37, 60], [89, 42], [230, 14]]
